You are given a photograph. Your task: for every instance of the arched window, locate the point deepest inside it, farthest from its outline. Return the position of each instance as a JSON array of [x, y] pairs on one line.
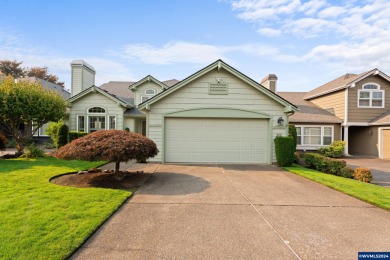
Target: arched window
[[96, 110], [150, 92], [371, 96]]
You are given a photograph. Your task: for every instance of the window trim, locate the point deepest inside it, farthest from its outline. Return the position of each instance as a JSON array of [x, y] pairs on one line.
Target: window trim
[[146, 90], [109, 122], [371, 93], [78, 123], [315, 146]]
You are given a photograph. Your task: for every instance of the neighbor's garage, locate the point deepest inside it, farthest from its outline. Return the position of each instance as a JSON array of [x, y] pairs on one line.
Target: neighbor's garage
[[227, 140], [386, 144]]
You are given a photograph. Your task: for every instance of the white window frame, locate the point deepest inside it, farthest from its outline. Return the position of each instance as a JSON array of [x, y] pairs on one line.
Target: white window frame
[[370, 98], [147, 96], [109, 122], [314, 146], [78, 123]]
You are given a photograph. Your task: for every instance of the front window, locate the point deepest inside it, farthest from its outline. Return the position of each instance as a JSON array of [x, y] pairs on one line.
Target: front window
[[111, 122], [314, 135], [149, 93], [81, 124], [97, 110], [97, 123], [370, 96]]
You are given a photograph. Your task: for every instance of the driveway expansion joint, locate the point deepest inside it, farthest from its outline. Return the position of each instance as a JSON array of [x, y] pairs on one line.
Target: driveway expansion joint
[[285, 242]]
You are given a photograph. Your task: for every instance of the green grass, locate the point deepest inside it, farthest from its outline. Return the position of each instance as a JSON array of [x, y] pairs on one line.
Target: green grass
[[373, 194], [40, 220]]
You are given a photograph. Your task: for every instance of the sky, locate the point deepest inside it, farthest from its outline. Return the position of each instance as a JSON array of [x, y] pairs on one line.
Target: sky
[[305, 43]]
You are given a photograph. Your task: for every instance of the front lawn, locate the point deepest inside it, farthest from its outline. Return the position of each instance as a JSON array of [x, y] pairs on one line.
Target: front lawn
[[40, 220], [370, 193]]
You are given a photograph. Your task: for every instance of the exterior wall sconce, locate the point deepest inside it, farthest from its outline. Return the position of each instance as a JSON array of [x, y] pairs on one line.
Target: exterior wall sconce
[[280, 121]]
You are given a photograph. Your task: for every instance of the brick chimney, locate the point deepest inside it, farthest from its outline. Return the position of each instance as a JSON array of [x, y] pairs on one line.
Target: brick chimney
[[270, 82], [83, 76]]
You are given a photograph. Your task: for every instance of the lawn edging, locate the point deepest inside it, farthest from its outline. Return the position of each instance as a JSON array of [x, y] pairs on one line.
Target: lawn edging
[[99, 226], [370, 193]]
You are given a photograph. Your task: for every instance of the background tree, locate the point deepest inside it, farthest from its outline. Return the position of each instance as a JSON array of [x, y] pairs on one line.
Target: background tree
[[12, 68], [25, 102], [42, 73], [109, 145]]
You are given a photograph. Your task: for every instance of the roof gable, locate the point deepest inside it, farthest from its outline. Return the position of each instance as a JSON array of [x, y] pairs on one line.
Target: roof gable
[[95, 89], [343, 82], [148, 78], [219, 64]]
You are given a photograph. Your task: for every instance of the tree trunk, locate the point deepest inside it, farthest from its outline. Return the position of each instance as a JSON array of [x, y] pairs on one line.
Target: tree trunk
[[117, 167]]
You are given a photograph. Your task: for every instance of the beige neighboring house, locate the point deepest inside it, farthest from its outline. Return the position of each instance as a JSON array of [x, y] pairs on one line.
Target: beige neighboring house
[[354, 108], [215, 115]]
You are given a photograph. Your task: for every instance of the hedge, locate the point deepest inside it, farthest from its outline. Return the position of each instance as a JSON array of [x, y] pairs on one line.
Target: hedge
[[324, 164], [62, 136], [73, 135], [284, 150]]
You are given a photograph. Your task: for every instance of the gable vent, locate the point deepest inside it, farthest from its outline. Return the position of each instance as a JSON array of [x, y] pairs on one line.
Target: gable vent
[[218, 89]]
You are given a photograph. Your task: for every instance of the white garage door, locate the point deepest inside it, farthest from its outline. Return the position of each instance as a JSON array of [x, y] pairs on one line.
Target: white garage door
[[386, 144], [216, 140]]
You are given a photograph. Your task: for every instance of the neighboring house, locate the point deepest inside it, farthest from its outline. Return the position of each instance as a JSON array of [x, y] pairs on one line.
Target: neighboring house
[[357, 106], [215, 115]]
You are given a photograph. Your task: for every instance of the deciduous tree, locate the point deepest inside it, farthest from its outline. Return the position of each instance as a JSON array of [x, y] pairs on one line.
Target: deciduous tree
[[12, 68], [109, 145], [25, 102], [42, 73]]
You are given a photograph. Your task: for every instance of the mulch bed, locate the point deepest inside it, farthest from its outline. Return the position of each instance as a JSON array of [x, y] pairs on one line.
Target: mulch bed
[[130, 181]]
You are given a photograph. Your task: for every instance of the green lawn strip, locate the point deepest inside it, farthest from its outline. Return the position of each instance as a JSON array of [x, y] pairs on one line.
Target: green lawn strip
[[373, 194], [40, 220]]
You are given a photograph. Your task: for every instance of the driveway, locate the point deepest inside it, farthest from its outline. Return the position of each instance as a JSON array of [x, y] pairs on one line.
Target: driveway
[[380, 168], [238, 212]]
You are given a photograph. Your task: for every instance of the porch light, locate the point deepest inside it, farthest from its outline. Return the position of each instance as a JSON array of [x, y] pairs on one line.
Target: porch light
[[280, 121]]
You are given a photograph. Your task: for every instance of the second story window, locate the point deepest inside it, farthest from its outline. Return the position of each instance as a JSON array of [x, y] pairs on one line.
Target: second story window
[[97, 110], [370, 96], [148, 94]]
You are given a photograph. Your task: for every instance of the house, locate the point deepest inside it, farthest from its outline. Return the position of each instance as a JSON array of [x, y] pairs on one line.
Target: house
[[354, 108], [215, 115]]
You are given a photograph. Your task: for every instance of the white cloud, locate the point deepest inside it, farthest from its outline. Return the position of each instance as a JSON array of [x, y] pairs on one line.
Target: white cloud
[[269, 32], [173, 52], [332, 12]]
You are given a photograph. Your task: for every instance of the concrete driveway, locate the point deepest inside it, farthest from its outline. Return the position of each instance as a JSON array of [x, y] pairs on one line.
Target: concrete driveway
[[380, 168], [238, 212]]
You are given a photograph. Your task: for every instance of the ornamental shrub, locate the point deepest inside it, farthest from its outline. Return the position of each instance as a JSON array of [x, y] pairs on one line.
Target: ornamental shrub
[[297, 157], [73, 135], [284, 149], [3, 142], [292, 131], [346, 172], [53, 131], [362, 174], [62, 136], [324, 164], [334, 150], [33, 151], [335, 166], [109, 145]]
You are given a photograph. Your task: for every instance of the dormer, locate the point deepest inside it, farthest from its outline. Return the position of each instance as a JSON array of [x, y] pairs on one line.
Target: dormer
[[146, 88]]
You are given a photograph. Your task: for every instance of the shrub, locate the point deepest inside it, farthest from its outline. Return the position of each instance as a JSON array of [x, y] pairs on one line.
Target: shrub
[[12, 143], [284, 149], [362, 174], [3, 142], [324, 164], [335, 166], [33, 151], [109, 145], [53, 131], [127, 129], [73, 135], [334, 150], [297, 157], [346, 172], [62, 136], [292, 131]]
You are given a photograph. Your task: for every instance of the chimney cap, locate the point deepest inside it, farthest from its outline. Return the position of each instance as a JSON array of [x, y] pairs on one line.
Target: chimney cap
[[81, 63], [269, 77]]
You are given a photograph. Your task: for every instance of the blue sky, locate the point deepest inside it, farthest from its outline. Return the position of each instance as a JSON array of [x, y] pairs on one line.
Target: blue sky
[[305, 43]]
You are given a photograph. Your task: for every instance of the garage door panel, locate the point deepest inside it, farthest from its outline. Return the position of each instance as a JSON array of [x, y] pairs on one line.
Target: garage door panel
[[386, 144], [216, 140]]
